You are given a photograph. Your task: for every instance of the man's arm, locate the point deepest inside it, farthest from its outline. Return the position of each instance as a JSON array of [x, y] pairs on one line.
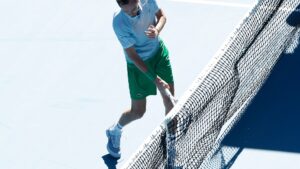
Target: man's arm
[[139, 63], [153, 31], [131, 52], [161, 20]]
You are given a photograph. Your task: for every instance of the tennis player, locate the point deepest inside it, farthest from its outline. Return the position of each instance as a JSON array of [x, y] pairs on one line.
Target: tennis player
[[137, 25]]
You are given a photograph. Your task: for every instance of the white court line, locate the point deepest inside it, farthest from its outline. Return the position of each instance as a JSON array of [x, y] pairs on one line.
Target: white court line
[[219, 3], [232, 4]]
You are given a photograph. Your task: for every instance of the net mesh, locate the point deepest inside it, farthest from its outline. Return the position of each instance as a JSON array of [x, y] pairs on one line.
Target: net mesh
[[191, 134]]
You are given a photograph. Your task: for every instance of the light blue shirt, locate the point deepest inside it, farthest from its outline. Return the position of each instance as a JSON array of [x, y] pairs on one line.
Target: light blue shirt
[[130, 31]]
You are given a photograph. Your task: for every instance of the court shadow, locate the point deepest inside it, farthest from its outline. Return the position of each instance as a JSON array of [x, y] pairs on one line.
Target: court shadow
[[271, 122], [110, 161], [294, 18]]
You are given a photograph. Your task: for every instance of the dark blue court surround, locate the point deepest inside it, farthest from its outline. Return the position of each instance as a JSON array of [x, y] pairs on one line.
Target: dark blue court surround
[[272, 121]]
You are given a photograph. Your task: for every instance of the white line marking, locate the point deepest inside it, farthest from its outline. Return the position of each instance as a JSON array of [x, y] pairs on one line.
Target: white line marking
[[219, 3]]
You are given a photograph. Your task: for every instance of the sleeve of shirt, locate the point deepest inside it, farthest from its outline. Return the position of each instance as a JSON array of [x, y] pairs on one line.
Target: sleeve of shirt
[[124, 37], [154, 5]]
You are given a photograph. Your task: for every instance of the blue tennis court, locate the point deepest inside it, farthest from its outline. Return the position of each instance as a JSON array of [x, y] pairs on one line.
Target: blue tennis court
[[63, 82]]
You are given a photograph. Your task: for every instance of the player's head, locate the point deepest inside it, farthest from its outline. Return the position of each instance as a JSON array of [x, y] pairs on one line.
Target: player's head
[[129, 6]]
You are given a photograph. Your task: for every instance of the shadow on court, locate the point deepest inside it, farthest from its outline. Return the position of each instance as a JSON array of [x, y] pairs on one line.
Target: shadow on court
[[294, 18], [110, 161], [271, 122]]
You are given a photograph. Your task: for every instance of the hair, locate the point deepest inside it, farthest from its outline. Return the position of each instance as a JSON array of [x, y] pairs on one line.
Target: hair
[[122, 2]]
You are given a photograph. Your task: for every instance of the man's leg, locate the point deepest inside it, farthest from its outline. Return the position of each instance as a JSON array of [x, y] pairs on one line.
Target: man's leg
[[138, 109], [167, 101]]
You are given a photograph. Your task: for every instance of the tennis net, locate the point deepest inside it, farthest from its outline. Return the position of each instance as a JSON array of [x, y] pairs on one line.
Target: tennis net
[[191, 134]]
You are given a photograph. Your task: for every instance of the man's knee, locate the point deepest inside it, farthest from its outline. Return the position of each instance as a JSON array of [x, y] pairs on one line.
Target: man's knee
[[138, 108], [138, 112]]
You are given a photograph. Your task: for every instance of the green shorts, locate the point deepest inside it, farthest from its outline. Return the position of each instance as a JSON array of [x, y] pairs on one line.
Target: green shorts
[[140, 86]]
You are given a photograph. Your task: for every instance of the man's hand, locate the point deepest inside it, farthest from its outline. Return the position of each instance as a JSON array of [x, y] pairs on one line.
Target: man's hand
[[152, 32], [161, 85], [164, 89]]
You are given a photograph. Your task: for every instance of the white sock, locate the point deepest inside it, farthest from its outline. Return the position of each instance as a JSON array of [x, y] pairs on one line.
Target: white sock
[[117, 127]]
